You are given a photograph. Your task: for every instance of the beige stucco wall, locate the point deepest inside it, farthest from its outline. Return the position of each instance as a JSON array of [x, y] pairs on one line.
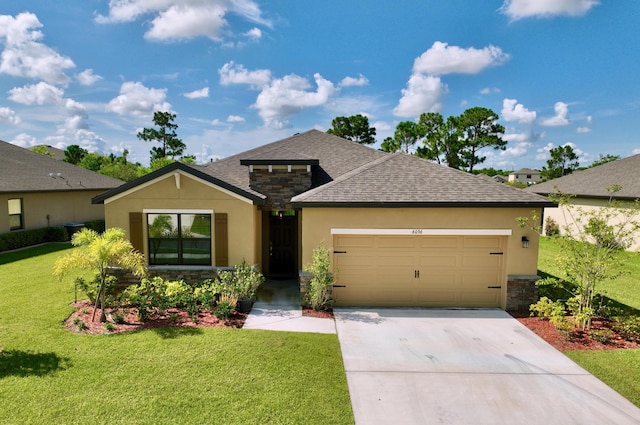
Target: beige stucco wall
[[244, 222], [317, 224], [567, 215], [62, 207]]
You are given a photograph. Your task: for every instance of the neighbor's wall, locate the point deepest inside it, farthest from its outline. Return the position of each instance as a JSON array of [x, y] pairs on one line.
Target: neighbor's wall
[[62, 208], [317, 224], [565, 215], [162, 193]]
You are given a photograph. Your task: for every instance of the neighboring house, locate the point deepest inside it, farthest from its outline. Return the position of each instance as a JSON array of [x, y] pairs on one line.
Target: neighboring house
[[403, 231], [39, 191], [526, 176], [589, 188]]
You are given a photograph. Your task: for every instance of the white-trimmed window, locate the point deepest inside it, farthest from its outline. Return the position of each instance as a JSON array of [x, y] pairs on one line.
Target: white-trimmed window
[[16, 214], [179, 238]]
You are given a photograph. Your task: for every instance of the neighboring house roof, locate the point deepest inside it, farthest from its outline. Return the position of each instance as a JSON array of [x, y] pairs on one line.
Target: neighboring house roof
[[24, 171], [593, 182], [55, 153], [346, 173], [525, 171]]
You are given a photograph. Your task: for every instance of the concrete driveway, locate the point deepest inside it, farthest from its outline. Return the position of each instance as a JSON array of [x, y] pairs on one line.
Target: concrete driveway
[[424, 366]]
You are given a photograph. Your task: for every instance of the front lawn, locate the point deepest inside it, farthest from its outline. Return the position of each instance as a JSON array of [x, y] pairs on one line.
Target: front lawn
[[164, 376], [619, 369]]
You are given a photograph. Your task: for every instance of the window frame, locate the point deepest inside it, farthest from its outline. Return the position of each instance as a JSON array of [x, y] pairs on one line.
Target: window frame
[[180, 240], [20, 215]]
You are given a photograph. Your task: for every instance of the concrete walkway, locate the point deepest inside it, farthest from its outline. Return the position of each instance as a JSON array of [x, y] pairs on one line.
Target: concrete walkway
[[278, 309], [424, 366]]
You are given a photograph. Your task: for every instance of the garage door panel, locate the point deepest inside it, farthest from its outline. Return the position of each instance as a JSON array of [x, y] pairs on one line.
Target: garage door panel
[[430, 271], [482, 242]]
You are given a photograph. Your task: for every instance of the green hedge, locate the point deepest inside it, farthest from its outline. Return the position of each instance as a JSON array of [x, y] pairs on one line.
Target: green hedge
[[96, 225], [22, 238]]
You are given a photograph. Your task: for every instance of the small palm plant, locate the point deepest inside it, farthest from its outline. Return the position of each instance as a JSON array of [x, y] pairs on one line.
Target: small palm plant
[[99, 252]]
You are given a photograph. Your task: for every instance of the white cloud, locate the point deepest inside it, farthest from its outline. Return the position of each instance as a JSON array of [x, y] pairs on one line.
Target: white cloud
[[560, 118], [489, 90], [589, 119], [232, 73], [198, 94], [24, 140], [183, 19], [443, 59], [8, 116], [87, 77], [423, 93], [40, 94], [136, 99], [286, 96], [82, 137], [583, 130], [235, 118], [25, 56], [360, 80], [518, 9], [514, 111], [254, 34]]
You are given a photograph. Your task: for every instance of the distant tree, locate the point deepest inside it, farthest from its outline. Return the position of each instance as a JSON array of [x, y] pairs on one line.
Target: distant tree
[[74, 154], [355, 128], [170, 145], [92, 161], [389, 144], [563, 161], [406, 135], [491, 172], [478, 128], [42, 150], [603, 159], [121, 171], [441, 140]]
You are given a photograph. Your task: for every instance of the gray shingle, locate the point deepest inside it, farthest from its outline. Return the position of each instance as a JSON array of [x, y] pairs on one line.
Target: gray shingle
[[593, 182], [24, 171]]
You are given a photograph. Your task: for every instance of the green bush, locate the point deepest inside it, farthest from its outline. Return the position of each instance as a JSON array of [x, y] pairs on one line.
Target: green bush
[[319, 288], [628, 327], [23, 238], [96, 225], [224, 309], [603, 336], [546, 309]]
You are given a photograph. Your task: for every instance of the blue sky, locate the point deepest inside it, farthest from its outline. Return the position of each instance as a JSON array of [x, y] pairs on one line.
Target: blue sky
[[242, 73]]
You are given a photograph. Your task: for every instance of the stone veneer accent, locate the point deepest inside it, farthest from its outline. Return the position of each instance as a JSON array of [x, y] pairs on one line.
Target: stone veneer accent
[[192, 274], [279, 185], [521, 292]]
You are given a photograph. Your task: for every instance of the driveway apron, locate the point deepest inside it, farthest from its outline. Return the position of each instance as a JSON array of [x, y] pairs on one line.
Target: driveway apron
[[427, 366]]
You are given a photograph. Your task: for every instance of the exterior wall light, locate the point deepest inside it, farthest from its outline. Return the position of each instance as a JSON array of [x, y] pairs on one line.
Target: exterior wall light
[[525, 242]]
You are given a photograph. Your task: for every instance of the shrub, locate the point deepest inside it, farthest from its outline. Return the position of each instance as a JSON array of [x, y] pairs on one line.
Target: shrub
[[602, 336], [224, 310], [23, 238], [546, 309], [90, 288], [551, 227], [628, 327], [97, 226], [110, 327], [246, 281], [319, 289]]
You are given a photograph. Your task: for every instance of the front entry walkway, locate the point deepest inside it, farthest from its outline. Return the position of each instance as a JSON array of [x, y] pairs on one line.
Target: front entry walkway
[[427, 366], [278, 309]]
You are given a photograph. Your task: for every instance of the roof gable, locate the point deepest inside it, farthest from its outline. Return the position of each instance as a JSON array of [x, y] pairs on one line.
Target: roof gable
[[593, 182], [26, 171]]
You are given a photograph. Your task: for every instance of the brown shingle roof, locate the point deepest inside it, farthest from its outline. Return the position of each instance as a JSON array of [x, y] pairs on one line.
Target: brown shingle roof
[[401, 179], [24, 171], [593, 182], [351, 174]]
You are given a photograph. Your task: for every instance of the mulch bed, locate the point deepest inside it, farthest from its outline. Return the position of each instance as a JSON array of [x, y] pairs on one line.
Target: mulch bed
[[172, 318], [323, 314], [576, 339]]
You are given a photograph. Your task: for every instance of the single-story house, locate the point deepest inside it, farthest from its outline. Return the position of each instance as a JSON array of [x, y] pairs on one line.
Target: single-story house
[[589, 189], [403, 231], [526, 176], [40, 191]]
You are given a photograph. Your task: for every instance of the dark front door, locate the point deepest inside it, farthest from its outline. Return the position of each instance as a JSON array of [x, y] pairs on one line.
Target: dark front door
[[283, 246]]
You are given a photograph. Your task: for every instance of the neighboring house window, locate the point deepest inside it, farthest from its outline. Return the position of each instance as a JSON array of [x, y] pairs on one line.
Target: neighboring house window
[[528, 176], [16, 215], [179, 238]]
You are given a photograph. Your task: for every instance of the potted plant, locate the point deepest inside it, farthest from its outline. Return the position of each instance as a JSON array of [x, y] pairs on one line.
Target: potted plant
[[242, 283]]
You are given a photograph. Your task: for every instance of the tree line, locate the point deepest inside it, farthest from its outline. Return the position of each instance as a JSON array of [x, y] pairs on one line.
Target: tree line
[[456, 142]]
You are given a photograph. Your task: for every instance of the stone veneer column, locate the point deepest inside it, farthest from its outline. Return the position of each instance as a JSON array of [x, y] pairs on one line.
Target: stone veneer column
[[521, 292], [280, 185]]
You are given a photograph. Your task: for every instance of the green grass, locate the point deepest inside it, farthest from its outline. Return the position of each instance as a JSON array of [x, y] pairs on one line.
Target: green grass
[[619, 369], [166, 376]]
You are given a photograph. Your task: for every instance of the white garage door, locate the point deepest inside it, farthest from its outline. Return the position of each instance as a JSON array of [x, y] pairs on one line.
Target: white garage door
[[429, 271]]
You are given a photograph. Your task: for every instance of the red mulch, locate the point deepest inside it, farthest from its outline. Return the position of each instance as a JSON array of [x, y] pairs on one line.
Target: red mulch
[[172, 318], [323, 314], [576, 339]]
